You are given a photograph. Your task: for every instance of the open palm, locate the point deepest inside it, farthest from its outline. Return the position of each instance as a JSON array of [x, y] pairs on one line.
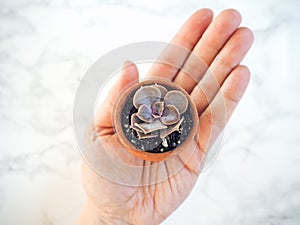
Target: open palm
[[221, 45]]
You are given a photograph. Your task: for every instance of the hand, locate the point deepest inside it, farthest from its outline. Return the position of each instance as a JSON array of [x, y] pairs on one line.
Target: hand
[[221, 44]]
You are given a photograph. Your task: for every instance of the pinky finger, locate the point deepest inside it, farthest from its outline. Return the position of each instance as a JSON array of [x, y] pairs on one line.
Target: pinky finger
[[217, 114]]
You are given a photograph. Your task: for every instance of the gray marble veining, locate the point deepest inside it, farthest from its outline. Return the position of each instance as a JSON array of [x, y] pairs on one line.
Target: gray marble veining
[[46, 46]]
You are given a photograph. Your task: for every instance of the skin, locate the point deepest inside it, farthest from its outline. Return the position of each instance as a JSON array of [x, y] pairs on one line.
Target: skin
[[221, 44]]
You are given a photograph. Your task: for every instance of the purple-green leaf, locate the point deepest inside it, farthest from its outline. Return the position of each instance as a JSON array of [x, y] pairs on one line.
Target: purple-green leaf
[[145, 113], [177, 99], [150, 127], [170, 115], [157, 109], [146, 96]]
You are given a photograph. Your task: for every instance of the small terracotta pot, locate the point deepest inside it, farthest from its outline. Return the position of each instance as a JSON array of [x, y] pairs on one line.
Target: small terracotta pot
[[119, 121]]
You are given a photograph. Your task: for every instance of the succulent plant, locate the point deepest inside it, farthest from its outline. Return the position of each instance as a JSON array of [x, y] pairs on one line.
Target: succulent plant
[[159, 112]]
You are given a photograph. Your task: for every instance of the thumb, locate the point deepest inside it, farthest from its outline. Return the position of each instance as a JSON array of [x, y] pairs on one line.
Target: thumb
[[128, 75], [103, 116]]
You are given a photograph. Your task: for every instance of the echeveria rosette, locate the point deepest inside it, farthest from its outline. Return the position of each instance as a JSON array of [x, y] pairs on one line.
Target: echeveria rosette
[[159, 111]]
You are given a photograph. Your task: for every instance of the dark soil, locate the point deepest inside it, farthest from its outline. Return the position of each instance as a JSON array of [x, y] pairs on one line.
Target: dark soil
[[154, 145]]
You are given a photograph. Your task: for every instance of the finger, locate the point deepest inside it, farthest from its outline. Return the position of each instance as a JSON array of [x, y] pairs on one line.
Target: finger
[[216, 116], [212, 41], [129, 75], [230, 56], [181, 45]]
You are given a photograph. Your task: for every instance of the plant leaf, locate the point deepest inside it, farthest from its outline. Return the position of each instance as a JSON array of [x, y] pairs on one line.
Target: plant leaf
[[150, 127], [178, 99], [135, 120], [146, 95], [164, 133], [157, 109], [145, 113], [141, 135], [170, 115], [162, 89]]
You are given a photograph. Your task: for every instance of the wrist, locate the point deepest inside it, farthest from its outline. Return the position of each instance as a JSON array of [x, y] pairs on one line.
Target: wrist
[[91, 215]]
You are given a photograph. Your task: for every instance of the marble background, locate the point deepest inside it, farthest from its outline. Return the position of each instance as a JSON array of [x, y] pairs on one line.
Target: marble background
[[47, 45]]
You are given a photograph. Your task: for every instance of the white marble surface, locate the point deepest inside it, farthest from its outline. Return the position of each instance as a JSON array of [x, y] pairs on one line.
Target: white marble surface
[[46, 46]]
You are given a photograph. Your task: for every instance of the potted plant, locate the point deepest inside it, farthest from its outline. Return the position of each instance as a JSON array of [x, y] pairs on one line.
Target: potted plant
[[155, 118]]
